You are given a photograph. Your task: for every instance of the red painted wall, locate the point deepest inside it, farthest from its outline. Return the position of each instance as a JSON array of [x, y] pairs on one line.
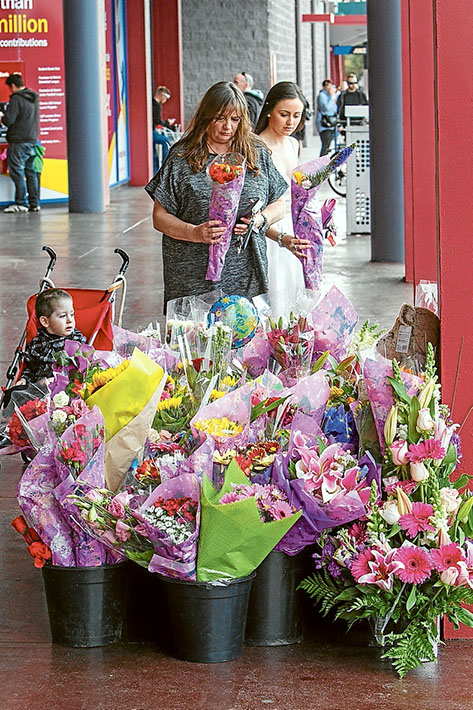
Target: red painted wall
[[139, 93], [167, 55], [453, 101], [419, 140]]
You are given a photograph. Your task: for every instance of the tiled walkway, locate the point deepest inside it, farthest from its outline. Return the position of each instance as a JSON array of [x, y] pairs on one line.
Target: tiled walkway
[[329, 670]]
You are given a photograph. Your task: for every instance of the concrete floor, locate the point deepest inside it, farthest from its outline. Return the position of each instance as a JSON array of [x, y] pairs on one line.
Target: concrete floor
[[329, 670]]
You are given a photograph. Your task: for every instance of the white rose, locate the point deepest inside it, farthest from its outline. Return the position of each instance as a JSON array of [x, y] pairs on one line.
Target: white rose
[[390, 512], [419, 472], [424, 420], [59, 416], [60, 399], [450, 499]]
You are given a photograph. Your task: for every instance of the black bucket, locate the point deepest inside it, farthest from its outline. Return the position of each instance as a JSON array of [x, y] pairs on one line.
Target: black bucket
[[143, 593], [274, 612], [206, 620], [86, 604]]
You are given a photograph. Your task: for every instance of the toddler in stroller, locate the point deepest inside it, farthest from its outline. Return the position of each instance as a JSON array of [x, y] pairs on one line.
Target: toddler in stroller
[[54, 311]]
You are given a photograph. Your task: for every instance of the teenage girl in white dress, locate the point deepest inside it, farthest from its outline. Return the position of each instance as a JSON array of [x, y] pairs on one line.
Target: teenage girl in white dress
[[281, 115]]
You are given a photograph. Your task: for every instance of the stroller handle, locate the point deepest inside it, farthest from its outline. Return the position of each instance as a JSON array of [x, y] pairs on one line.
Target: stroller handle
[[52, 259], [126, 260]]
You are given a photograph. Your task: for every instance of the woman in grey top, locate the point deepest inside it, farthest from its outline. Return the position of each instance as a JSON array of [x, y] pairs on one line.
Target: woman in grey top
[[181, 192]]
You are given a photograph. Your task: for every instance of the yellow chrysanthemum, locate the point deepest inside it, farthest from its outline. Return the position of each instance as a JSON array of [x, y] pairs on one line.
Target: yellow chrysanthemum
[[169, 403], [229, 381], [219, 426], [99, 379], [336, 391], [216, 394]]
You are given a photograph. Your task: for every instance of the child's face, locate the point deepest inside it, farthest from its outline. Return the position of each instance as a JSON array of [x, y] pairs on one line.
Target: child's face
[[61, 321]]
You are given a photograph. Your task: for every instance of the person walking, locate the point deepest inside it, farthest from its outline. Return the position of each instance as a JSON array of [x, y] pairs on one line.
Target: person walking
[[254, 97], [22, 120], [326, 119]]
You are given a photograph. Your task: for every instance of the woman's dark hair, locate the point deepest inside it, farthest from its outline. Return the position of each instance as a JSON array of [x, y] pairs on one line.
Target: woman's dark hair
[[220, 100], [280, 92]]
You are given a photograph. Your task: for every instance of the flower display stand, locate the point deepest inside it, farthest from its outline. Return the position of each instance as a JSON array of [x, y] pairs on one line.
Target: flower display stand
[[206, 620], [274, 613], [85, 604]]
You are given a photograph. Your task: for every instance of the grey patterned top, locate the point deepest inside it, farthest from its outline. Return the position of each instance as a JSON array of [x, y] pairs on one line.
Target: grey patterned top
[[186, 195]]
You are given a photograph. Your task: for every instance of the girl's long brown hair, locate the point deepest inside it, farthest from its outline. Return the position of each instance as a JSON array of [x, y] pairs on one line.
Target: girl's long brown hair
[[220, 100]]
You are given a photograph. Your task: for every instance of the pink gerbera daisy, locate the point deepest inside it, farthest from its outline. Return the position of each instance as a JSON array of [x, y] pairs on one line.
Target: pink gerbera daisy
[[230, 497], [428, 449], [280, 509], [447, 556], [417, 565], [418, 520], [360, 566], [358, 532]]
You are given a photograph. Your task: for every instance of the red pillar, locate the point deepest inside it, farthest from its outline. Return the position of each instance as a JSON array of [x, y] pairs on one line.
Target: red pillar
[[453, 99], [419, 141], [167, 55], [139, 92]]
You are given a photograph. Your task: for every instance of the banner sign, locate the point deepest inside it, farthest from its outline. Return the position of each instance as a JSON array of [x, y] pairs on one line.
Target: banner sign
[[117, 97], [32, 43]]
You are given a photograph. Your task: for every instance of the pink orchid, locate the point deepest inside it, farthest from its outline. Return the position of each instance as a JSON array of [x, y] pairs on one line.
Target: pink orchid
[[382, 568]]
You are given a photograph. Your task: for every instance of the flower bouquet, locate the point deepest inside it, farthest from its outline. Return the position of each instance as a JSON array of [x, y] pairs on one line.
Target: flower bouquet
[[127, 397], [292, 343], [411, 560], [306, 215], [226, 420], [240, 525], [159, 533], [48, 480], [16, 434], [227, 173]]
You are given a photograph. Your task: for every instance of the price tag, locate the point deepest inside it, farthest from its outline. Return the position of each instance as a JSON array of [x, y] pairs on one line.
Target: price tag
[[403, 338]]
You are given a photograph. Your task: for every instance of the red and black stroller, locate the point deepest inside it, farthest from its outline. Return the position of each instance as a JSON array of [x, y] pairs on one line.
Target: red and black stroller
[[95, 311]]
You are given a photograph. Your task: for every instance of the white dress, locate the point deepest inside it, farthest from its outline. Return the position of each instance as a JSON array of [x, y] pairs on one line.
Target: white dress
[[285, 273]]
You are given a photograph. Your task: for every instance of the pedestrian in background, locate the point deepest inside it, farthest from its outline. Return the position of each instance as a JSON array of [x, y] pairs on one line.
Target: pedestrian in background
[[353, 96], [254, 97], [22, 120], [326, 119]]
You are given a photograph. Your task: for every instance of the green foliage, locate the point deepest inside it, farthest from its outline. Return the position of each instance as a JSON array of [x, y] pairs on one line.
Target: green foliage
[[412, 647], [414, 408], [323, 589], [399, 389]]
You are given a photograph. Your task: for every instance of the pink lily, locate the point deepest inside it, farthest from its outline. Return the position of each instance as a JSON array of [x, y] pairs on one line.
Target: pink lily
[[383, 569]]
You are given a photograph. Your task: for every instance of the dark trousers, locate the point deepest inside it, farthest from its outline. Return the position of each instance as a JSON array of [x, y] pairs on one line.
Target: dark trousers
[[20, 166], [326, 139]]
